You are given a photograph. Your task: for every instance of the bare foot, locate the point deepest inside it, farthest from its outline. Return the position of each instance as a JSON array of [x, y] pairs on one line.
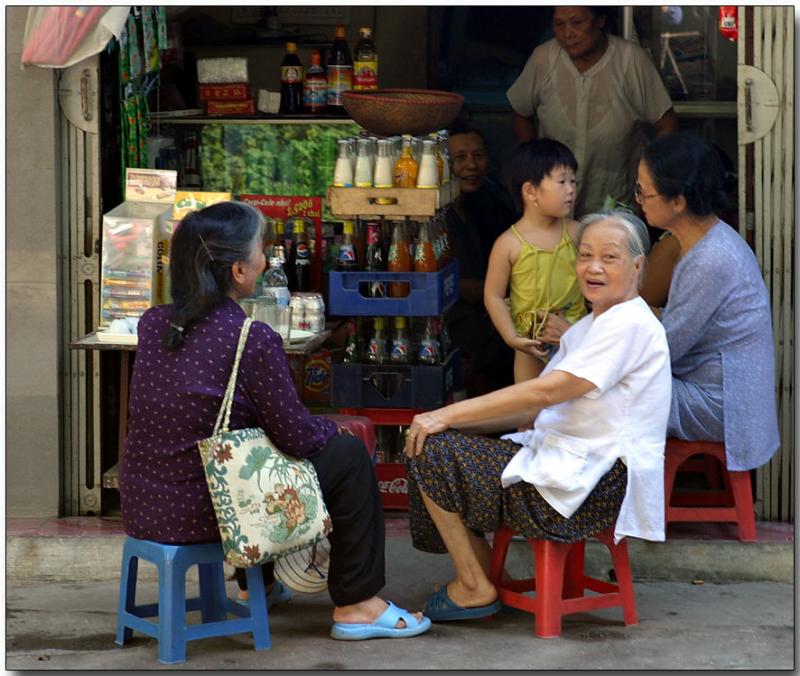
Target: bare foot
[[466, 597], [366, 612]]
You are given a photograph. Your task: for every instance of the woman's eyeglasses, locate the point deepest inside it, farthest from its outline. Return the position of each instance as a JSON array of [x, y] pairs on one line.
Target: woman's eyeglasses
[[637, 193]]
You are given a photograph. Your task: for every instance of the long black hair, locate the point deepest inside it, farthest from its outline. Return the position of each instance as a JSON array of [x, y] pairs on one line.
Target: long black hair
[[682, 164], [533, 160], [204, 248]]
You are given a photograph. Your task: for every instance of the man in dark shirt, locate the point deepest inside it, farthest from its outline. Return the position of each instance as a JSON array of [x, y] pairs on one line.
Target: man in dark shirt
[[477, 217]]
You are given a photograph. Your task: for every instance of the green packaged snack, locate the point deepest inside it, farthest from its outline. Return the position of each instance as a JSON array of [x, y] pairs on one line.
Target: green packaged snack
[[161, 18], [149, 39], [134, 51]]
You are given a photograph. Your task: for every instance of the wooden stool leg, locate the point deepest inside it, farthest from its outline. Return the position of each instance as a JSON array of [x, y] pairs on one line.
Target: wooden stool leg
[[550, 561], [743, 500]]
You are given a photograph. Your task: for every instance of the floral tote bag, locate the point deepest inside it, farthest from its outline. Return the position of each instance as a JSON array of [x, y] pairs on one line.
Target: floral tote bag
[[267, 504]]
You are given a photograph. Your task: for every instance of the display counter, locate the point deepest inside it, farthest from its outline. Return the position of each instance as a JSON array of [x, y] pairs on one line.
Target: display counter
[[296, 353]]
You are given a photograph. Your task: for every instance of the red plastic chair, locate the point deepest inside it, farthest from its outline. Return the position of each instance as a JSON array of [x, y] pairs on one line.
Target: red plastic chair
[[560, 581], [705, 506]]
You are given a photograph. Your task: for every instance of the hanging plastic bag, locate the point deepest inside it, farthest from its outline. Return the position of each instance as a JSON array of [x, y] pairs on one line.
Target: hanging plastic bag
[[57, 37]]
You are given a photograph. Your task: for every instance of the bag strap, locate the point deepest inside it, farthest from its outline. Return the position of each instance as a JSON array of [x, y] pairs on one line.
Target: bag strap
[[224, 417]]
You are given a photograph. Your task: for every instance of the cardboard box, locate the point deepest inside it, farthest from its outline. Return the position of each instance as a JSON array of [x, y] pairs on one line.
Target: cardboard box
[[192, 200], [224, 92], [219, 108]]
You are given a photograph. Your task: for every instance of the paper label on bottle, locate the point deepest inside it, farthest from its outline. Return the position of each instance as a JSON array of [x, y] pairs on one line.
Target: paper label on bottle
[[315, 93], [340, 79], [291, 74], [365, 75], [399, 350], [301, 253], [346, 254]]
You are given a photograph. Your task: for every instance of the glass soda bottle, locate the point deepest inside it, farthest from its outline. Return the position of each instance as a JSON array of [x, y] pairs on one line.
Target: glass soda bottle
[[300, 258], [276, 284], [351, 343], [406, 169], [425, 254], [315, 85], [401, 353], [376, 348], [365, 71], [374, 260], [363, 177], [291, 82], [347, 260], [343, 169], [429, 349], [399, 260], [428, 175], [340, 70], [384, 170]]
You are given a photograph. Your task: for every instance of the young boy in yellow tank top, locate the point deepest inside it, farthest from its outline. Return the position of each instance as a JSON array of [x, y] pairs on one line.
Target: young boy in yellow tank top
[[535, 258]]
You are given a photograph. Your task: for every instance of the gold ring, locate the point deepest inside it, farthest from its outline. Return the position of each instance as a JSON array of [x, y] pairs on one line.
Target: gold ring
[[411, 435]]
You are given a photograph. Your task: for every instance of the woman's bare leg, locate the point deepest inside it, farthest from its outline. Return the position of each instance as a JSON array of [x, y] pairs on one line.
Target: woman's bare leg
[[472, 587]]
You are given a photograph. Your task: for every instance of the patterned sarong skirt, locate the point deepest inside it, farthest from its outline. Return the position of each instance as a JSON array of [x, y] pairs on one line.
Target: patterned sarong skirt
[[461, 473]]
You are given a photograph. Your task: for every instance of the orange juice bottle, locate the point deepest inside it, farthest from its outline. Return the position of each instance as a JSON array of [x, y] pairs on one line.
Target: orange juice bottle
[[405, 171], [425, 254], [399, 261]]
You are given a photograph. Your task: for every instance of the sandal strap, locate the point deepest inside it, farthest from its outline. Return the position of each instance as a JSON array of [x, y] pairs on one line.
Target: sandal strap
[[392, 614]]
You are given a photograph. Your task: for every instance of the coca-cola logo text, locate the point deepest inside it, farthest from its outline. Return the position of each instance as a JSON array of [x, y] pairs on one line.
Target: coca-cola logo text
[[397, 485]]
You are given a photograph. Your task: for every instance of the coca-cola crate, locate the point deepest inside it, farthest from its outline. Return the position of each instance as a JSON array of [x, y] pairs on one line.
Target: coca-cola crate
[[431, 293], [393, 485], [418, 386], [366, 202]]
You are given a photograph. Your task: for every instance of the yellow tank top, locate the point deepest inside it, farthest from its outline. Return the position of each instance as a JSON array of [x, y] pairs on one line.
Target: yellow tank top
[[544, 281]]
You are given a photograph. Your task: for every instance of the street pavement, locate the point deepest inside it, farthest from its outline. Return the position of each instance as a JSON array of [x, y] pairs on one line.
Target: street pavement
[[683, 625]]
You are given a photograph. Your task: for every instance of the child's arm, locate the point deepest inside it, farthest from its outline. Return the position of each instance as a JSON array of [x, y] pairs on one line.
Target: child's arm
[[494, 293]]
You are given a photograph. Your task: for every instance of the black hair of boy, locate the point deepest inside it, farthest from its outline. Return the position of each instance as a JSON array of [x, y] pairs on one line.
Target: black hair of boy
[[533, 160]]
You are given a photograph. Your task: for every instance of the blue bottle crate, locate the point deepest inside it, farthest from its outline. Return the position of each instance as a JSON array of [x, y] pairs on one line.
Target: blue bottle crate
[[417, 386], [431, 293]]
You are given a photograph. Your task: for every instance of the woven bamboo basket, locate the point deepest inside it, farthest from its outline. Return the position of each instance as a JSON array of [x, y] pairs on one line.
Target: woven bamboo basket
[[388, 112]]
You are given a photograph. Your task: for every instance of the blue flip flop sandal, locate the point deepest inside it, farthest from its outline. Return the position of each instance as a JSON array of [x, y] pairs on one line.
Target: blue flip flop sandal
[[383, 627], [279, 593], [441, 608]]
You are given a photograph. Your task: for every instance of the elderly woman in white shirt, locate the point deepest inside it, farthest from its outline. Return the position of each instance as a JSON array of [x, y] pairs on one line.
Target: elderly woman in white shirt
[[593, 454]]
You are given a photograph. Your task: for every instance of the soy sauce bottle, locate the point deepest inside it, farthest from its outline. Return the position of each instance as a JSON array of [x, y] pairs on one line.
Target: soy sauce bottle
[[291, 81]]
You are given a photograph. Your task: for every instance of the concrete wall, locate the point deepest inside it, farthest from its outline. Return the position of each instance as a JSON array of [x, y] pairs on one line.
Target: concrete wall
[[32, 430]]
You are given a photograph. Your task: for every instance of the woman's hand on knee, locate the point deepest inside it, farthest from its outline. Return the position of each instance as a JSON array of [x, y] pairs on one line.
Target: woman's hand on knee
[[423, 424]]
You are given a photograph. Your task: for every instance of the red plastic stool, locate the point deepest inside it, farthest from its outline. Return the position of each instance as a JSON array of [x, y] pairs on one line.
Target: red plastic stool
[[560, 581], [705, 507]]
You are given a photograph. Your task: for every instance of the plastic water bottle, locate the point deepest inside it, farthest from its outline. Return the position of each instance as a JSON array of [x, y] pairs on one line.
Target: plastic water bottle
[[276, 284]]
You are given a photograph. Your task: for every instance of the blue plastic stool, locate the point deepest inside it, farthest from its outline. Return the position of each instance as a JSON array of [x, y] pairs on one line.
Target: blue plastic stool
[[171, 630]]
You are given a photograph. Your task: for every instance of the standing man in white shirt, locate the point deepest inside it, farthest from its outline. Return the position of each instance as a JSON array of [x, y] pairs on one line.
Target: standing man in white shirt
[[595, 93]]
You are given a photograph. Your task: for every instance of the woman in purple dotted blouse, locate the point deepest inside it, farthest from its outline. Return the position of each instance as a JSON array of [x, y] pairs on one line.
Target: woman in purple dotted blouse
[[184, 359]]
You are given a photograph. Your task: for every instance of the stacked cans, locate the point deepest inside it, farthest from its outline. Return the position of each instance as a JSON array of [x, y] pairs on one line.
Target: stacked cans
[[308, 312]]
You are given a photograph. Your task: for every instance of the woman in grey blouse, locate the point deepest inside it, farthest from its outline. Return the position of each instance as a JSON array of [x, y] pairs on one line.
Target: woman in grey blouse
[[717, 318]]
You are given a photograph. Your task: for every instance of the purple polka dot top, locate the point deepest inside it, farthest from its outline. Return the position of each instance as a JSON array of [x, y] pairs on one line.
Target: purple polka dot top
[[174, 401]]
